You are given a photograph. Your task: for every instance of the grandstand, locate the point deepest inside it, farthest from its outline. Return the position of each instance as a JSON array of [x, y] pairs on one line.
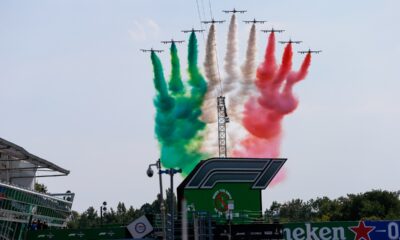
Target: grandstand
[[20, 204]]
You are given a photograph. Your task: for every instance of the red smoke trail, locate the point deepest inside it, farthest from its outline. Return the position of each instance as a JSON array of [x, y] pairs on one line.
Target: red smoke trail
[[270, 90], [267, 69], [263, 114], [287, 102]]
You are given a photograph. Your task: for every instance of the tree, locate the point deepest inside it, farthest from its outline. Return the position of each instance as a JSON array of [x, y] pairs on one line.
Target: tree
[[89, 219], [372, 205], [73, 221], [40, 187]]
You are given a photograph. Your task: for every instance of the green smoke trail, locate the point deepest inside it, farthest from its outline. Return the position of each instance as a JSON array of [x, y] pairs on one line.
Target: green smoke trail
[[163, 102], [179, 136], [199, 85], [175, 83]]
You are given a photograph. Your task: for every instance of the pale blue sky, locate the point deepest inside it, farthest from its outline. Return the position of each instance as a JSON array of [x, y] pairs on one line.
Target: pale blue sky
[[77, 91]]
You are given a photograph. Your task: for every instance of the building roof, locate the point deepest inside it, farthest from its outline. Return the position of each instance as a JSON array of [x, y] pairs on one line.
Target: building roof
[[17, 153]]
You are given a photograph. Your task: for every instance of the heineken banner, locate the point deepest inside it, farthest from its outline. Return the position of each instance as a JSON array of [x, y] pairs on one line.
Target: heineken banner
[[361, 230]]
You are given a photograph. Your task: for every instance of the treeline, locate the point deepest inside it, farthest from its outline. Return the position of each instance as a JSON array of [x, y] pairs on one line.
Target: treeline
[[121, 215], [372, 205]]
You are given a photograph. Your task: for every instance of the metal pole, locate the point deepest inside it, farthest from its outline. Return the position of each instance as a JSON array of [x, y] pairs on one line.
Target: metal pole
[[162, 207], [230, 230], [184, 222], [195, 226], [171, 172], [101, 215]]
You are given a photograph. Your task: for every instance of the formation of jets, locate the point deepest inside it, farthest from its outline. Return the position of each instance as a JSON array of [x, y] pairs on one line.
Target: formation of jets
[[151, 50], [290, 41], [272, 30], [193, 30], [254, 21], [212, 21], [172, 41], [309, 51], [234, 11]]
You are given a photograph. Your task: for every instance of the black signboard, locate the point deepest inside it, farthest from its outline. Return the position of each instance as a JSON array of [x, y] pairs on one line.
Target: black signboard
[[249, 231]]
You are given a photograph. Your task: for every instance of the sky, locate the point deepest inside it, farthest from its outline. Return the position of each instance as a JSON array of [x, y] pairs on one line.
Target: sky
[[77, 91]]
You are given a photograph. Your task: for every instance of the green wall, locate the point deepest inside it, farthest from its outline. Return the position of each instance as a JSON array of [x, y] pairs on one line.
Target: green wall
[[216, 199]]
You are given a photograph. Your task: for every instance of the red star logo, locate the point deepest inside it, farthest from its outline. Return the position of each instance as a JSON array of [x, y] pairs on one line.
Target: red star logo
[[362, 231]]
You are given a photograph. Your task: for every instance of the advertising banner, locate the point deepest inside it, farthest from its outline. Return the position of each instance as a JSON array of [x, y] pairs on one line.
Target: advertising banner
[[353, 230]]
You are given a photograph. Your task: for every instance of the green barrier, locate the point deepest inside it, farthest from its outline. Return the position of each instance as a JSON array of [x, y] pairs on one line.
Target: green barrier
[[87, 234], [351, 230]]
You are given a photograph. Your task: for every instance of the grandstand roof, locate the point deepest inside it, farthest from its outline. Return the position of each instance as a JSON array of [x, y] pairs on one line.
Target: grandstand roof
[[17, 153]]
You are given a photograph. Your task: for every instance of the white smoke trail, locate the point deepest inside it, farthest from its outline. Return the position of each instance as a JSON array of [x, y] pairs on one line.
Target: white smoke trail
[[232, 73], [249, 66], [211, 71], [209, 108], [234, 130], [248, 76]]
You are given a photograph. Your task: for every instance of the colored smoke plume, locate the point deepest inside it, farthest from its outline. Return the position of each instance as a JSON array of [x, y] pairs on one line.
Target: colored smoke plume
[[186, 113], [249, 66], [263, 115], [175, 84], [211, 72], [248, 70], [232, 73], [231, 87], [178, 113], [209, 107]]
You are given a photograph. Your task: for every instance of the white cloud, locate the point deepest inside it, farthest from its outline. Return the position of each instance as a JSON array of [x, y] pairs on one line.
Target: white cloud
[[153, 27], [144, 30], [137, 33]]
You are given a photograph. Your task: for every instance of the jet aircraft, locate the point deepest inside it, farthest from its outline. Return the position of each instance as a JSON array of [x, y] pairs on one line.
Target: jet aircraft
[[290, 41], [172, 41], [193, 30], [309, 51], [234, 11], [213, 21], [272, 30], [151, 50], [255, 21]]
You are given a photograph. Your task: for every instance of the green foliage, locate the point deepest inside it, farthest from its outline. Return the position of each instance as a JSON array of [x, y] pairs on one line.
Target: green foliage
[[372, 205], [119, 217], [40, 187]]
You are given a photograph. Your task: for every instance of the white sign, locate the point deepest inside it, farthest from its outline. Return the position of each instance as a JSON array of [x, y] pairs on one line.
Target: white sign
[[140, 227]]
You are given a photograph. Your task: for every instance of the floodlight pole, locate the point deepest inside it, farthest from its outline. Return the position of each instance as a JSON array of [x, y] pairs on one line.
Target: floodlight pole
[[103, 208], [162, 207], [172, 172], [161, 199]]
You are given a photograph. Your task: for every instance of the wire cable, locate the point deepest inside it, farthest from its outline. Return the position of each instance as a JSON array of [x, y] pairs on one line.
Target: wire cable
[[203, 8], [221, 91], [201, 22]]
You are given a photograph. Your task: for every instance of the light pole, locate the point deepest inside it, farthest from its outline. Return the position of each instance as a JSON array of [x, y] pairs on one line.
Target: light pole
[[171, 172], [150, 173], [103, 208]]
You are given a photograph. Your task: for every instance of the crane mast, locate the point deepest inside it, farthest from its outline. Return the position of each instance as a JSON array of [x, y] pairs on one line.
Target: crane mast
[[222, 120]]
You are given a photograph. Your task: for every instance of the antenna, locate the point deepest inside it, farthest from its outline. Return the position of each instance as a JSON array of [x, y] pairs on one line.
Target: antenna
[[222, 120]]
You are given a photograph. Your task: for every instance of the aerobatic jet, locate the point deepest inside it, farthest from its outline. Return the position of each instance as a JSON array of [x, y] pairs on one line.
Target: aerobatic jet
[[290, 41], [255, 21], [151, 50], [309, 51], [172, 41], [193, 30], [272, 30], [234, 11], [213, 21]]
